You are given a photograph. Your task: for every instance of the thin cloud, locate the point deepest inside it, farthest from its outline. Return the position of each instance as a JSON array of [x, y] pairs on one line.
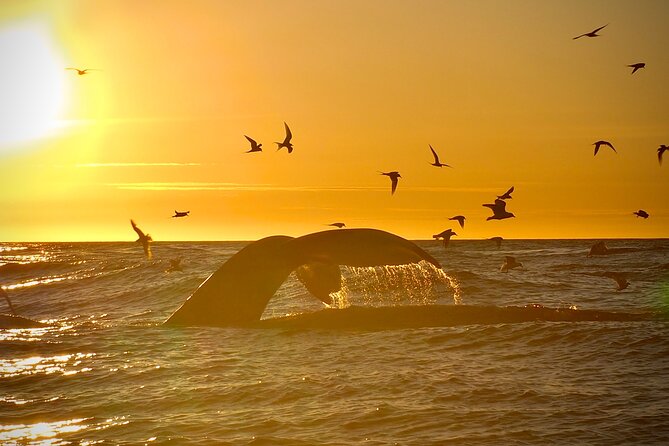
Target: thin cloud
[[136, 164]]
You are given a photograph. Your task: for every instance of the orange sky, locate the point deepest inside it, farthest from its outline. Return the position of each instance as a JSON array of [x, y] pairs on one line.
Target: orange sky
[[499, 89]]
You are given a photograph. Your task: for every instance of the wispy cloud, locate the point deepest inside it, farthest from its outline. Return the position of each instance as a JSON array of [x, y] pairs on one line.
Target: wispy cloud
[[136, 164], [198, 186]]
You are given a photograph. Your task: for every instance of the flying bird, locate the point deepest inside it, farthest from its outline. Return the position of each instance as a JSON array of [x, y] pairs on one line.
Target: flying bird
[[600, 143], [620, 278], [81, 72], [660, 152], [637, 66], [641, 213], [591, 33], [509, 263], [255, 147], [498, 210], [144, 239], [497, 240], [286, 141], [445, 236], [338, 225], [507, 194], [394, 175], [437, 163], [460, 219], [178, 214]]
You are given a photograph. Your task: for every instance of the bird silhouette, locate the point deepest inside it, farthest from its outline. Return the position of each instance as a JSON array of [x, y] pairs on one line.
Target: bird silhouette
[[445, 236], [460, 219], [255, 147], [178, 214], [497, 240], [394, 175], [660, 152], [506, 195], [637, 66], [175, 265], [620, 278], [286, 141], [82, 72], [144, 239], [600, 143], [591, 33], [641, 213], [338, 225], [436, 162], [498, 210], [509, 263]]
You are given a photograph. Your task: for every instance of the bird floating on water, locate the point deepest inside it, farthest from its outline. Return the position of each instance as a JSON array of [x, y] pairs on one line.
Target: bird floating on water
[[600, 143], [338, 224], [637, 66], [499, 210], [394, 175], [178, 214], [509, 263], [506, 195], [460, 219], [82, 72], [641, 213], [591, 33], [255, 147], [660, 152], [144, 239], [286, 141], [436, 162], [620, 278]]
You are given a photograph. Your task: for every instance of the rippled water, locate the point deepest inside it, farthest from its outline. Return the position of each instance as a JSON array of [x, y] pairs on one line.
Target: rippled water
[[105, 371]]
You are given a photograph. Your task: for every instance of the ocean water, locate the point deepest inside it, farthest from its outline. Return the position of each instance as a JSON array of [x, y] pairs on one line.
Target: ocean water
[[104, 371]]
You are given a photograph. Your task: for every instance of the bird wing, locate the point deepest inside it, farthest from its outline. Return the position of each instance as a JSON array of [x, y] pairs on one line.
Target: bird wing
[[488, 205], [508, 192], [289, 135], [137, 230], [252, 141], [660, 152], [578, 37], [606, 143], [599, 29], [436, 157], [500, 205], [393, 181]]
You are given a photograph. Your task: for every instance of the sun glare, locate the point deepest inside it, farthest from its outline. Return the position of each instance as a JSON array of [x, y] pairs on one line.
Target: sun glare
[[32, 83]]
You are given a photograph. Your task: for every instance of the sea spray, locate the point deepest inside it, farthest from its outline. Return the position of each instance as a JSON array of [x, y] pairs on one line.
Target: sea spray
[[413, 284]]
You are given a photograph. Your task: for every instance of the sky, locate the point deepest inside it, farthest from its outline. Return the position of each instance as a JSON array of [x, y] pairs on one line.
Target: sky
[[500, 89]]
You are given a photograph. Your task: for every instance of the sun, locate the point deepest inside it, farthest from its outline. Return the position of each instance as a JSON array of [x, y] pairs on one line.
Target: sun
[[32, 83]]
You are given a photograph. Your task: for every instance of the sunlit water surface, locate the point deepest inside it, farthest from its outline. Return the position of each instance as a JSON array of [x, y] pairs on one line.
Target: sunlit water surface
[[105, 372]]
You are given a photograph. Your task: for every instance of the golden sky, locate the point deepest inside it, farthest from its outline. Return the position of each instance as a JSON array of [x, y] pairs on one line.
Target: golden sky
[[499, 88]]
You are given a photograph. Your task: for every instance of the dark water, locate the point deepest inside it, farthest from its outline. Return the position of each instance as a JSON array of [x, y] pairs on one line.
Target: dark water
[[105, 372]]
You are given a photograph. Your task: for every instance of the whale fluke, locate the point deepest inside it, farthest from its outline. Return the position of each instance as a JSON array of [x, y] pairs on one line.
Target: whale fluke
[[238, 292]]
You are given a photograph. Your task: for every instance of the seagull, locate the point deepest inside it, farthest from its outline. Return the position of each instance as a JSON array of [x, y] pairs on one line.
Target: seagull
[[178, 214], [394, 175], [591, 33], [255, 147], [338, 225], [437, 163], [620, 279], [4, 294], [286, 142], [445, 236], [498, 210], [509, 263], [497, 240], [600, 143], [460, 219], [143, 239], [641, 213], [637, 66], [81, 72], [175, 265], [507, 194], [661, 151]]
